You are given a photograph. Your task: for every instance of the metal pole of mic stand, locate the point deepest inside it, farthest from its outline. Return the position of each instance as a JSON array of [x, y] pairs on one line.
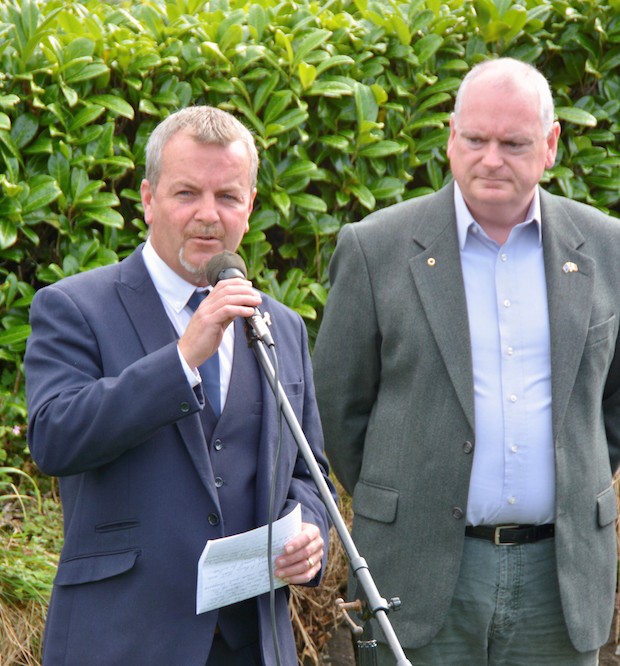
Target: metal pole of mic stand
[[377, 605]]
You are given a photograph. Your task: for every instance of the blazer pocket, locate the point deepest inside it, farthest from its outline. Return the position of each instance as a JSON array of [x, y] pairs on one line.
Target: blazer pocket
[[294, 391], [94, 567], [606, 505], [375, 502], [601, 331]]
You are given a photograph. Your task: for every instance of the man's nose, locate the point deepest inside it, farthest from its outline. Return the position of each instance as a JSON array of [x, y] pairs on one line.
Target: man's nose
[[207, 208], [493, 155]]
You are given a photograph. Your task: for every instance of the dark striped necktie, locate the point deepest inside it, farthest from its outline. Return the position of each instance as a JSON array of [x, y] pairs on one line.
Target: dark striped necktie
[[210, 369]]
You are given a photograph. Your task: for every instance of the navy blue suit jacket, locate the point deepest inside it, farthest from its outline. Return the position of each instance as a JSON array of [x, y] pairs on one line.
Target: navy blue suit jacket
[[112, 415]]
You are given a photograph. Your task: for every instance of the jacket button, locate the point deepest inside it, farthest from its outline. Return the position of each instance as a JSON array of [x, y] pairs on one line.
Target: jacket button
[[219, 481], [457, 512], [213, 519], [217, 445], [468, 447], [185, 407]]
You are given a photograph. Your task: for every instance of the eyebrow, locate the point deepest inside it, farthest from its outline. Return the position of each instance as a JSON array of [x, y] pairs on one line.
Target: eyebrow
[[509, 138]]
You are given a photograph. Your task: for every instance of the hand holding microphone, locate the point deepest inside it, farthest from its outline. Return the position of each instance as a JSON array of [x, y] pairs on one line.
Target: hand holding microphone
[[226, 265], [204, 333]]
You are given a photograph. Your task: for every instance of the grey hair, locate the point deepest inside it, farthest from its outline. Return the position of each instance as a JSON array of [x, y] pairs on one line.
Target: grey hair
[[205, 124], [510, 69]]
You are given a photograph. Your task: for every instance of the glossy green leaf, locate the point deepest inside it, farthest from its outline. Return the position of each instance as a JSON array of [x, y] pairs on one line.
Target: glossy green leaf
[[14, 335], [427, 46], [575, 115], [113, 103], [106, 216], [382, 149], [309, 202], [85, 116], [8, 233], [41, 195], [310, 42], [330, 89], [24, 129], [364, 195]]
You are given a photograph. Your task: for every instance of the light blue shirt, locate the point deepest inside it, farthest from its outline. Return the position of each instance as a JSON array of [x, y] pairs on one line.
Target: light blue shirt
[[513, 476]]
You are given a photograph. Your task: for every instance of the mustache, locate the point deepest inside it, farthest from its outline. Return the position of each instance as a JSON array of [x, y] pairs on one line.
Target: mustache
[[204, 231]]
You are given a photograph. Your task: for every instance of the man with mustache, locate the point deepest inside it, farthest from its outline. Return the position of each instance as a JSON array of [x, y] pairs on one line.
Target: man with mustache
[[468, 378], [151, 464]]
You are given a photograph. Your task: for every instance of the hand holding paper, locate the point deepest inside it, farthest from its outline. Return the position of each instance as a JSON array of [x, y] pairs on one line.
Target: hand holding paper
[[235, 568], [303, 556]]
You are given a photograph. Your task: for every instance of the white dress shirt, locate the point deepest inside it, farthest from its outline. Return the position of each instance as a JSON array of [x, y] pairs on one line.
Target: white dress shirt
[[513, 476], [174, 292]]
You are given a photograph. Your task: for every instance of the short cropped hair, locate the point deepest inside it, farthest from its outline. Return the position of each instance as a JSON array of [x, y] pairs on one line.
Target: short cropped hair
[[205, 124], [513, 70]]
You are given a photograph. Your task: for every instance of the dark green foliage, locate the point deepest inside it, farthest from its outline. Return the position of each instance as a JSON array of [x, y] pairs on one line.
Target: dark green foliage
[[349, 102]]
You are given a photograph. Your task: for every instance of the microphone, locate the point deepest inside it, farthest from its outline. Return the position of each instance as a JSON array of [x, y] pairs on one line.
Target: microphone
[[227, 265]]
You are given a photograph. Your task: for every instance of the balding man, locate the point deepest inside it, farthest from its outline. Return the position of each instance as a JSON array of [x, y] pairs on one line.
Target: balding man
[[468, 378]]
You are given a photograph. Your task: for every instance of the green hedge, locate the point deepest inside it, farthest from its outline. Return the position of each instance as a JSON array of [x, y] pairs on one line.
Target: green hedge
[[349, 103]]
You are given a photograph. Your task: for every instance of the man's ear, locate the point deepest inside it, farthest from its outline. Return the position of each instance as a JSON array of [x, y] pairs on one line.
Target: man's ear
[[146, 194], [552, 145]]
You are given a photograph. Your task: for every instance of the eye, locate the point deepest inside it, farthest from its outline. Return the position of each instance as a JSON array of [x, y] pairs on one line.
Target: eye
[[516, 146], [231, 197]]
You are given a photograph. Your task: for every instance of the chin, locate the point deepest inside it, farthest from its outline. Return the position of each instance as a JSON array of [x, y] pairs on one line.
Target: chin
[[490, 195], [196, 267]]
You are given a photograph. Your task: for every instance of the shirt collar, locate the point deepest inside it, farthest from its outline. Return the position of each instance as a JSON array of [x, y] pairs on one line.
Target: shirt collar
[[465, 220], [170, 286]]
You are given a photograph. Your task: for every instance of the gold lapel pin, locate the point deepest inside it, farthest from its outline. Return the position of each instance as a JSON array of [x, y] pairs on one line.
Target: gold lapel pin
[[570, 267], [431, 261]]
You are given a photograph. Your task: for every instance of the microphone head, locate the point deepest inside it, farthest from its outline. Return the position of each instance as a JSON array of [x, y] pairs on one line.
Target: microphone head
[[225, 265]]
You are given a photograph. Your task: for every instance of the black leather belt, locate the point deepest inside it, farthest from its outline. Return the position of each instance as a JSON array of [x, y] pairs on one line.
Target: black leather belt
[[511, 535]]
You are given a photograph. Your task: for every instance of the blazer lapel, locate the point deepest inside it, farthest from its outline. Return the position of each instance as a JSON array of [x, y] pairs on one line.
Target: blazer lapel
[[436, 269], [570, 279], [269, 437], [155, 330], [143, 305]]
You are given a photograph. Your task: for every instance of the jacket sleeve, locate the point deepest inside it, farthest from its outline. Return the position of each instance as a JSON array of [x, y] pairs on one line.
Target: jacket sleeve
[[611, 410], [347, 359], [82, 415]]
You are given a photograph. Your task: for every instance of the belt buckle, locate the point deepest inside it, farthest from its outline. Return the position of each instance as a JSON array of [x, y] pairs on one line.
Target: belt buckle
[[497, 535]]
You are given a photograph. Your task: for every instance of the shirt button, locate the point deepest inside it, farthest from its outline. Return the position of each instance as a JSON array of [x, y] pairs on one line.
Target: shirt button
[[512, 500], [217, 445], [457, 512], [185, 407], [504, 257], [514, 448], [510, 351], [213, 519], [513, 398], [468, 447], [219, 482], [507, 303]]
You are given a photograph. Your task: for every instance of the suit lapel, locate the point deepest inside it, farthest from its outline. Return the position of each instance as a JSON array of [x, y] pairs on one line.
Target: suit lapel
[[436, 268], [269, 437], [143, 305], [570, 279], [155, 330]]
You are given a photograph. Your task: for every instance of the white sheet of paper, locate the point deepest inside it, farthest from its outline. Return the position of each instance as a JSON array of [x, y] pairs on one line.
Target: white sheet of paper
[[234, 568]]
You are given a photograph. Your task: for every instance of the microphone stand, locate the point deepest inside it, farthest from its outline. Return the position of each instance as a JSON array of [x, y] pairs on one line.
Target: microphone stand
[[377, 605]]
